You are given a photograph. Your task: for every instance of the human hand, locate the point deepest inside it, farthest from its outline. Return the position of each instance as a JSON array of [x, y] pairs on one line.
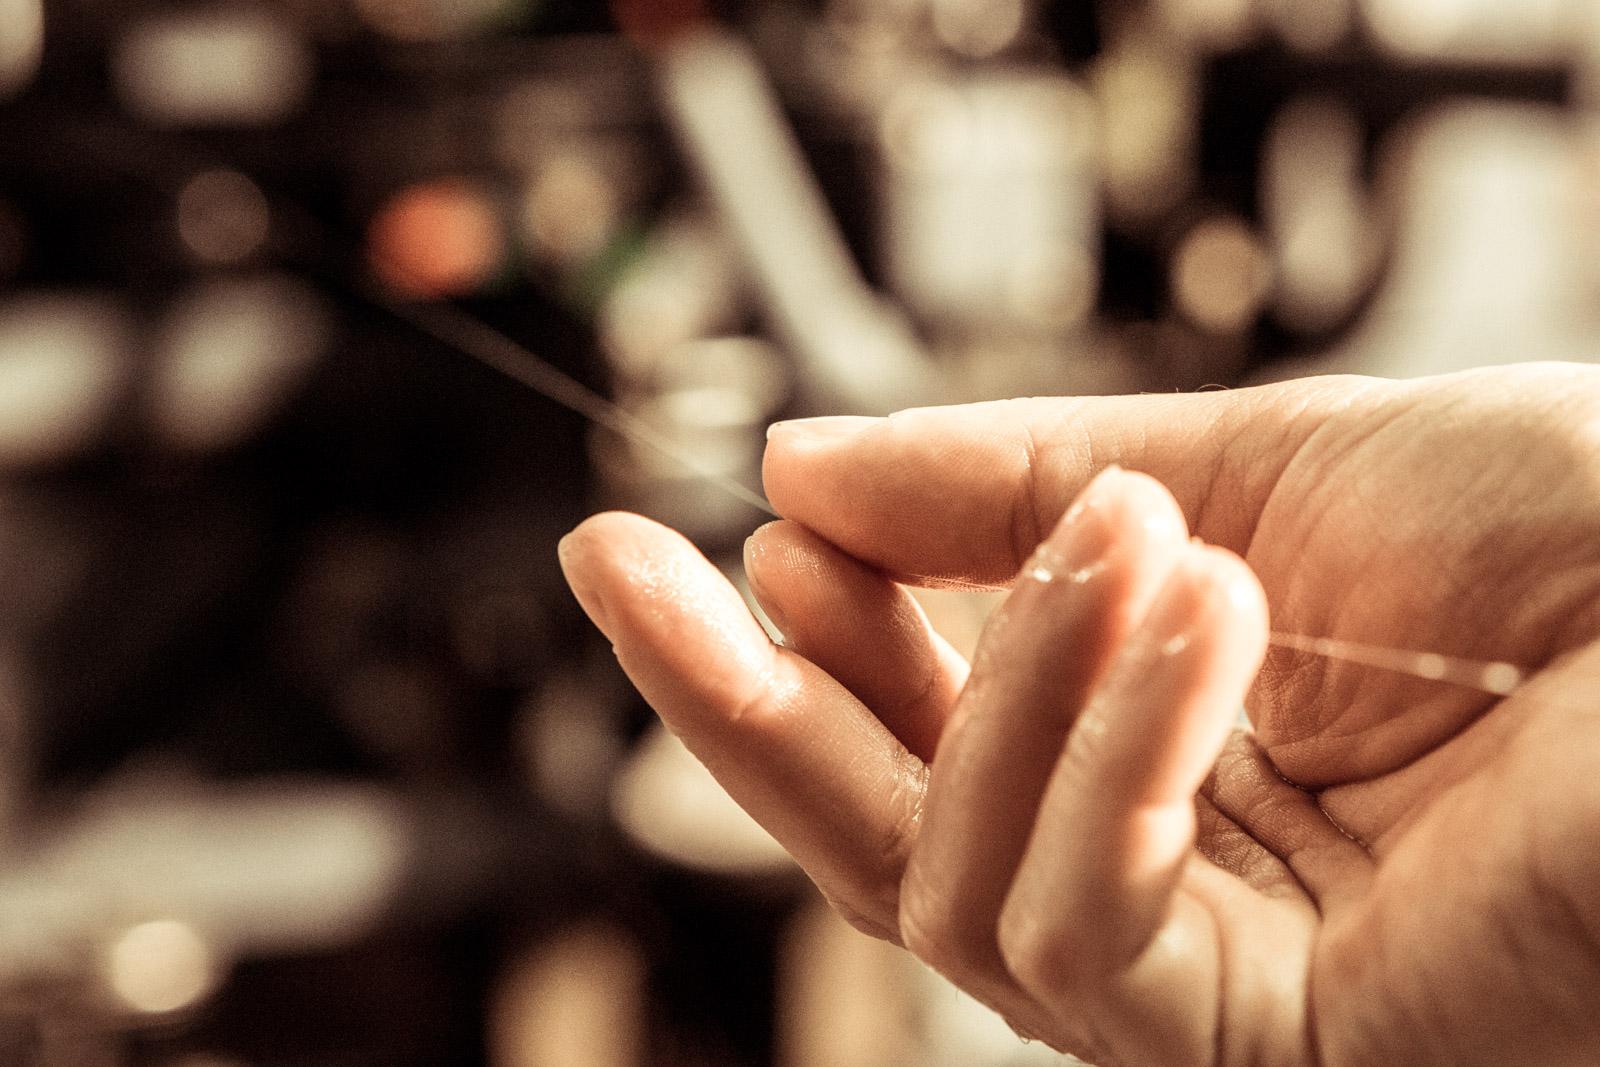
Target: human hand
[[1387, 870]]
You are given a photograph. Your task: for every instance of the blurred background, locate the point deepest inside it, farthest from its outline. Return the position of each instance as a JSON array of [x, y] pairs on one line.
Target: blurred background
[[306, 755]]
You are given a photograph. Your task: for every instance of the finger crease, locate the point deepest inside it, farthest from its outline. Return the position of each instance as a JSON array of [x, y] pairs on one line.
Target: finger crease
[[1026, 529]]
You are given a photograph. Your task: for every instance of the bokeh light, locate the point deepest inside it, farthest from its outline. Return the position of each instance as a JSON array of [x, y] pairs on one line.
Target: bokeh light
[[429, 20], [1221, 275], [230, 354], [216, 67], [223, 217], [1317, 219], [652, 23], [160, 966], [670, 805], [979, 29], [306, 753], [63, 361], [577, 1001], [439, 238], [21, 43]]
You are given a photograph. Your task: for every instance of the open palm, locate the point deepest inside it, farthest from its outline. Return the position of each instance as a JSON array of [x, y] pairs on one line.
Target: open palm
[[1385, 870]]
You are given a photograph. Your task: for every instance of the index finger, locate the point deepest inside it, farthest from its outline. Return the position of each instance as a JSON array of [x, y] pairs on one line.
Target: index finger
[[795, 748], [964, 494]]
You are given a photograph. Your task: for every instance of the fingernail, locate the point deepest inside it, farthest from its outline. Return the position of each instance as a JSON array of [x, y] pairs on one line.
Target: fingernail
[[752, 554], [823, 431], [1089, 496], [588, 599], [1182, 605], [1078, 548]]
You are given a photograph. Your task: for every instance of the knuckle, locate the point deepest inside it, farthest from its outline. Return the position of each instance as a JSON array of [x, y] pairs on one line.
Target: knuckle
[[1024, 529], [1042, 955], [1086, 744], [899, 836], [863, 922], [931, 929]]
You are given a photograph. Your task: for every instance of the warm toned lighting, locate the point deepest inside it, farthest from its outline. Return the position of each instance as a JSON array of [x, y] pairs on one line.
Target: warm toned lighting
[[62, 361], [229, 354], [21, 42], [212, 68], [577, 1001], [437, 239], [1221, 275], [669, 804], [654, 22], [222, 216], [159, 967], [428, 20], [1507, 31], [1312, 25], [978, 28]]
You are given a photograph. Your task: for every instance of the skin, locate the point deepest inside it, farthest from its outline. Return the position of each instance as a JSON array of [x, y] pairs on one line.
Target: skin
[[1383, 871]]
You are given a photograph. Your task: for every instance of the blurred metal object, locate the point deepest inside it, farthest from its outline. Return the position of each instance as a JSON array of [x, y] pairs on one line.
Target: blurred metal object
[[1318, 213], [271, 868], [992, 219], [851, 343], [671, 806]]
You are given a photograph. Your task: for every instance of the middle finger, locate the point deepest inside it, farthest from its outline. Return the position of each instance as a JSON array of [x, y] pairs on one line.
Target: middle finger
[[1075, 602]]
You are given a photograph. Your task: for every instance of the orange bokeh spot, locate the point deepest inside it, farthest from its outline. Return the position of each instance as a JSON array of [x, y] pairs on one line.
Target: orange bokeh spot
[[437, 239], [649, 23]]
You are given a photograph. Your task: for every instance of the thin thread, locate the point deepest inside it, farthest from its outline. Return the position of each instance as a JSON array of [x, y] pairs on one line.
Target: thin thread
[[445, 323], [1495, 677], [1486, 676], [478, 340]]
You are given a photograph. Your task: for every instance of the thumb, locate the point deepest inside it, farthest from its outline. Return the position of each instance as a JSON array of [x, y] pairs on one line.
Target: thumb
[[963, 494]]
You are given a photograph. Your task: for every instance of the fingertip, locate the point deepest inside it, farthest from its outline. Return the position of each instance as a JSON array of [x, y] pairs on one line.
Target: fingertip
[[659, 601], [599, 540], [760, 547], [799, 446], [1230, 592], [1142, 504], [814, 471], [823, 432], [764, 570], [587, 556]]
